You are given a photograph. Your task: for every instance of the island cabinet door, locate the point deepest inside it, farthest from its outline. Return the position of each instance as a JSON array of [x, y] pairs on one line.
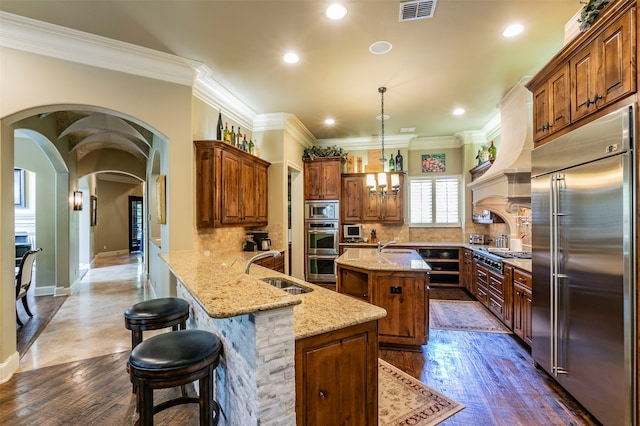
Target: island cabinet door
[[402, 295], [337, 377]]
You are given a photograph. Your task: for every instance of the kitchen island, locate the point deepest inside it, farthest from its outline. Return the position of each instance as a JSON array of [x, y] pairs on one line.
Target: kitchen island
[[396, 280], [287, 359]]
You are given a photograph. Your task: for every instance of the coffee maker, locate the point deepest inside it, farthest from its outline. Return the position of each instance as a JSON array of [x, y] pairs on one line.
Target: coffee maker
[[262, 240], [249, 244]]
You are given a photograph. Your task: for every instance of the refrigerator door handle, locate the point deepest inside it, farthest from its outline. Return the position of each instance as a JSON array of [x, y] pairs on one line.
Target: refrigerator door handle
[[556, 274]]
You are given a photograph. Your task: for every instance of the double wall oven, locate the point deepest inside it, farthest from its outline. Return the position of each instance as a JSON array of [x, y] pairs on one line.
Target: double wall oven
[[322, 233]]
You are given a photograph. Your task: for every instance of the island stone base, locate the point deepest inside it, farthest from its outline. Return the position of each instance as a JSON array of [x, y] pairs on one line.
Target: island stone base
[[255, 381]]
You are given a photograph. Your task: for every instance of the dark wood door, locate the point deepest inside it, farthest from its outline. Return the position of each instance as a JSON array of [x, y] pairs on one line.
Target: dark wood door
[[136, 224]]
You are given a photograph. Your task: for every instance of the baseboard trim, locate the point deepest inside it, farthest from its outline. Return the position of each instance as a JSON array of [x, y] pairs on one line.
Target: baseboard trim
[[9, 366], [112, 253], [44, 291]]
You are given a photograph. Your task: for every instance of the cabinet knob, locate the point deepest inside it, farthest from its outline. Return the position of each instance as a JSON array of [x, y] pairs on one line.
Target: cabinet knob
[[322, 394]]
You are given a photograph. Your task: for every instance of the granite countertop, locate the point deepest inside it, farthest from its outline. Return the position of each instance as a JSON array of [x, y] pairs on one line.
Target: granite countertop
[[389, 259], [524, 264], [224, 291]]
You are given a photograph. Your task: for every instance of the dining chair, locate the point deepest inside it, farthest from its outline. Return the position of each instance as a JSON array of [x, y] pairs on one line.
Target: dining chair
[[23, 280]]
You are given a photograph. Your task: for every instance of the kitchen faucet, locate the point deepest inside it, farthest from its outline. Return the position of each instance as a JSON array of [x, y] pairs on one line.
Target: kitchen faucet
[[258, 256], [381, 247]]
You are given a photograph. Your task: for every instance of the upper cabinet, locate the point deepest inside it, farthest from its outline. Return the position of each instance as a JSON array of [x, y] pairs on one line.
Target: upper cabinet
[[590, 73], [358, 204], [231, 186], [551, 107], [603, 71], [322, 179]]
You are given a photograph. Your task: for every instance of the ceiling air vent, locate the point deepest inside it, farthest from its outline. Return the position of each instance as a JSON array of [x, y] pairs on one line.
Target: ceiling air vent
[[417, 9]]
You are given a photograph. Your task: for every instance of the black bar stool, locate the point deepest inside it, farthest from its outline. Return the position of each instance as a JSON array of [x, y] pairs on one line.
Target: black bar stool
[[155, 314], [175, 359]]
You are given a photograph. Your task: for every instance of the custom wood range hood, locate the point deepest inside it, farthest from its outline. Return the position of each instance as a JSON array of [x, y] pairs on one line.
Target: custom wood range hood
[[506, 185]]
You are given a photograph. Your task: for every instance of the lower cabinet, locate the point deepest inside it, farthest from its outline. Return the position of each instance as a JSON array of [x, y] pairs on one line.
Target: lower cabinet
[[522, 299], [337, 377], [275, 263]]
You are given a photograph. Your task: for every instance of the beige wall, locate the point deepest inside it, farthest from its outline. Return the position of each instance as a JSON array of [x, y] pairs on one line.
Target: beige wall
[[31, 84]]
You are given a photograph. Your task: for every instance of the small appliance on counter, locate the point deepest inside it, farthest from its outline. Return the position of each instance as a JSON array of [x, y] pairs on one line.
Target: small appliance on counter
[[478, 239], [249, 244], [502, 241], [262, 240], [352, 233]]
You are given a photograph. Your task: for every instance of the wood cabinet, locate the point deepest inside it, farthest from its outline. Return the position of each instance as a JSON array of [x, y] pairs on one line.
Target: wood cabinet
[[351, 199], [405, 297], [403, 294], [590, 73], [275, 263], [604, 70], [522, 300], [322, 179], [490, 289], [466, 276], [231, 186], [337, 377], [551, 104], [359, 205]]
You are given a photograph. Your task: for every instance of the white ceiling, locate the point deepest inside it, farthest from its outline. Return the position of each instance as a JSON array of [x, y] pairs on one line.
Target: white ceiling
[[458, 58]]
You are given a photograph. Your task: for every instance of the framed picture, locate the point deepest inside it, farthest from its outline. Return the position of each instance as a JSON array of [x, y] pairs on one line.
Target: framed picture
[[94, 210], [434, 163], [160, 196], [18, 188]]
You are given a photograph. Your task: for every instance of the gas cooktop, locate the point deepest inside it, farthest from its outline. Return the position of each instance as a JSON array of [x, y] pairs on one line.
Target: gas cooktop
[[506, 253]]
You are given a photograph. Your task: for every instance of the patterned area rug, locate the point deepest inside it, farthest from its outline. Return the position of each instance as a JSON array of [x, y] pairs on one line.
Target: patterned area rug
[[403, 400], [463, 316]]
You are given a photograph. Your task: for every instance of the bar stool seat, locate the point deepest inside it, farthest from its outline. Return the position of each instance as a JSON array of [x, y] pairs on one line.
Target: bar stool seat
[[155, 314], [175, 359]]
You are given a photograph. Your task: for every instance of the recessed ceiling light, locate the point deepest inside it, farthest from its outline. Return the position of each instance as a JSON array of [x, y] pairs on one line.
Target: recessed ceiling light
[[458, 111], [513, 30], [336, 11], [386, 117], [380, 47], [291, 58], [407, 129], [330, 121]]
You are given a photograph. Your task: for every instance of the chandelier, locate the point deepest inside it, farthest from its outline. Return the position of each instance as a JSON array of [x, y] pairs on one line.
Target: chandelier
[[380, 186]]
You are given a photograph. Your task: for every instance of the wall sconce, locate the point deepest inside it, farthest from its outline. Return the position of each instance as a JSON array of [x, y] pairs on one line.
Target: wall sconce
[[77, 200]]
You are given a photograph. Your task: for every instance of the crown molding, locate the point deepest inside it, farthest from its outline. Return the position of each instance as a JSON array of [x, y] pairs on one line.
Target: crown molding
[[286, 122], [209, 91], [41, 38]]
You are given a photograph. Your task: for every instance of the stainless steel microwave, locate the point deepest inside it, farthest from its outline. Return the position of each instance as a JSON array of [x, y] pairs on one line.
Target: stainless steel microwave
[[321, 210]]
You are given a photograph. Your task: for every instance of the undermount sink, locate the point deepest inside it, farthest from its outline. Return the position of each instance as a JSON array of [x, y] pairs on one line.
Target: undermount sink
[[397, 251], [286, 285]]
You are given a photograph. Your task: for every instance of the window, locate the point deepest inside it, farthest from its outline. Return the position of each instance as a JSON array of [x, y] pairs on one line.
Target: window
[[434, 201]]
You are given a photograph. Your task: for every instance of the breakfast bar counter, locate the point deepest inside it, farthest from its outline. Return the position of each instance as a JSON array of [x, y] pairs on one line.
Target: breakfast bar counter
[[273, 340]]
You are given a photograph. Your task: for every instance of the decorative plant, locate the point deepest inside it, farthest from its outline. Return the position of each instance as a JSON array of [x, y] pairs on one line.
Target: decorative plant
[[589, 12], [323, 152]]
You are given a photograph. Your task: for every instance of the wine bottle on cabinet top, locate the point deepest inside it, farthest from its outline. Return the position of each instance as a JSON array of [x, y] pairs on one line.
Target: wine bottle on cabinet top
[[219, 128], [232, 136], [239, 138], [392, 164], [399, 164], [226, 135]]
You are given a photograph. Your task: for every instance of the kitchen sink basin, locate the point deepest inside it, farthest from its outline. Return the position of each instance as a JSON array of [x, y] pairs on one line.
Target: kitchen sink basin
[[286, 285]]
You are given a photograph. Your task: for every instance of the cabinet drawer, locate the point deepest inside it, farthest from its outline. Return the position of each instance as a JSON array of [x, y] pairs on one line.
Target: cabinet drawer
[[496, 284], [522, 278], [496, 305], [482, 294]]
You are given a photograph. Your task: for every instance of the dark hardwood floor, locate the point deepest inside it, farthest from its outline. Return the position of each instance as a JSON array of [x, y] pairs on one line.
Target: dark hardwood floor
[[43, 309], [493, 375]]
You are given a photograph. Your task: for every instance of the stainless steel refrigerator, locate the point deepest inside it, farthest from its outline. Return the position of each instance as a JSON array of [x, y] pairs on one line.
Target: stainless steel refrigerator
[[583, 200]]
